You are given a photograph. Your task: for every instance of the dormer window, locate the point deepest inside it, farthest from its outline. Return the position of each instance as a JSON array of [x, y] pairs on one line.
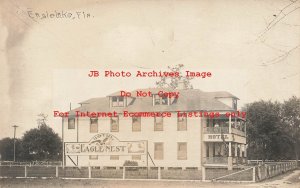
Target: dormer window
[[164, 100], [117, 101], [158, 100], [234, 104]]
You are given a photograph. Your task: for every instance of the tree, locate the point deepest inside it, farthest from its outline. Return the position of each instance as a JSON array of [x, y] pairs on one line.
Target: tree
[[273, 129], [41, 144], [291, 122], [7, 149], [263, 128], [174, 82]]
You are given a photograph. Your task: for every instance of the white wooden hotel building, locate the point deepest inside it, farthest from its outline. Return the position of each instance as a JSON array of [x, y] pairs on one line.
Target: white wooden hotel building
[[191, 141]]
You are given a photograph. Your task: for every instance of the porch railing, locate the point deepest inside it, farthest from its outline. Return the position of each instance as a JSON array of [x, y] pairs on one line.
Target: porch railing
[[216, 160], [239, 160]]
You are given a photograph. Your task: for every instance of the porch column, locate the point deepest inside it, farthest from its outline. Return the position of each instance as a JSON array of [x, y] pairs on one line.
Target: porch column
[[210, 150], [229, 124], [229, 152], [204, 153], [235, 149], [222, 149], [229, 157], [245, 150]]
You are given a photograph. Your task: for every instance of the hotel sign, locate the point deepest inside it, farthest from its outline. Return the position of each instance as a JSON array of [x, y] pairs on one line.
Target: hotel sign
[[224, 137], [106, 144], [217, 137]]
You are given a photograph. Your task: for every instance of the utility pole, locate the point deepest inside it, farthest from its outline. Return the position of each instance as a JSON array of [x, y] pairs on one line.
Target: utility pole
[[15, 127]]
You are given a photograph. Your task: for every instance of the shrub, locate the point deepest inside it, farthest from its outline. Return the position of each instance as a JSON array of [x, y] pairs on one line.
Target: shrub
[[130, 163]]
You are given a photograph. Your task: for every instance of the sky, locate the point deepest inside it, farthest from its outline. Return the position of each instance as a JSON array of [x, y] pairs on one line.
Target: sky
[[250, 46]]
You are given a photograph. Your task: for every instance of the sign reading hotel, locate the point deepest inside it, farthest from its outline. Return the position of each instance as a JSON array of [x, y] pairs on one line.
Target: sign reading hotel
[[224, 137], [106, 144], [217, 137]]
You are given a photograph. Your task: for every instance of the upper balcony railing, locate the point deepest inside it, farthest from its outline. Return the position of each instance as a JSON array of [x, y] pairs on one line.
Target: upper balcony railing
[[216, 130], [223, 130], [238, 132]]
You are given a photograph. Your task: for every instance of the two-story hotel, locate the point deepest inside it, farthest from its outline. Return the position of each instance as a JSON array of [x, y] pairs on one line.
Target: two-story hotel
[[194, 129]]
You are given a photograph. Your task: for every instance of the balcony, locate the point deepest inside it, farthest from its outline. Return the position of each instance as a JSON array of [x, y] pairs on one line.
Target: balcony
[[238, 132], [221, 134], [216, 130], [223, 130]]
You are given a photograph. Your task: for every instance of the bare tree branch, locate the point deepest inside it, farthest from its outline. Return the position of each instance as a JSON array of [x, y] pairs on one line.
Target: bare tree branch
[[280, 16], [278, 59], [272, 47], [291, 75]]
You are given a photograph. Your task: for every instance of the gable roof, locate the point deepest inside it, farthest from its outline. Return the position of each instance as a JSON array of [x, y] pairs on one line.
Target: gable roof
[[222, 94], [188, 100]]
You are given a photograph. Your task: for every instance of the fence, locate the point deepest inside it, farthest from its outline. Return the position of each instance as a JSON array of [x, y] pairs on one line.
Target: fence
[[249, 174], [260, 162], [123, 172], [268, 170]]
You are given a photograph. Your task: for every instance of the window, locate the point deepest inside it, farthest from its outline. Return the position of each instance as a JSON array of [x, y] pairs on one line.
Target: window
[[136, 124], [234, 104], [114, 157], [181, 151], [159, 151], [158, 124], [71, 123], [156, 100], [93, 125], [136, 157], [117, 101], [93, 157], [181, 123], [160, 100], [164, 100], [114, 124]]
